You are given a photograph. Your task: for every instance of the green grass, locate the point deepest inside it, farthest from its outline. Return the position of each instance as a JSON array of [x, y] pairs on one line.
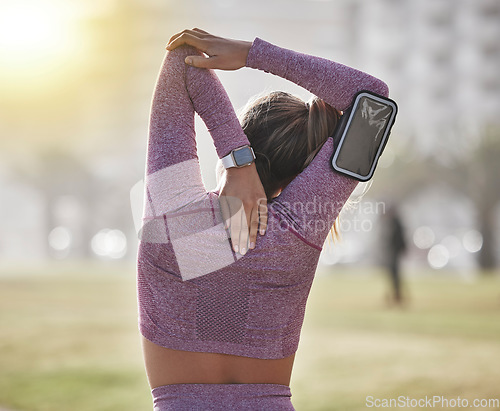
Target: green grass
[[69, 340], [445, 342]]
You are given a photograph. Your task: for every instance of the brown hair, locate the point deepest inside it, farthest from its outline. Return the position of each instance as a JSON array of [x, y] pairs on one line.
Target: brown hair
[[286, 133]]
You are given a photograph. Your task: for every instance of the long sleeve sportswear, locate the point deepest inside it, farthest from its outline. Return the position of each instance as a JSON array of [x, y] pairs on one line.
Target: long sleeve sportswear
[[194, 293]]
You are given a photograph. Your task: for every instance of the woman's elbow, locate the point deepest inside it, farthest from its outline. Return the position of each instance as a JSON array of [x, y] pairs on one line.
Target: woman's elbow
[[383, 89]]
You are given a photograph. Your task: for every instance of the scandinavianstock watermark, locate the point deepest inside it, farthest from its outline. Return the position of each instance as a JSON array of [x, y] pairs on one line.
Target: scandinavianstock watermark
[[434, 401], [316, 216], [310, 216]]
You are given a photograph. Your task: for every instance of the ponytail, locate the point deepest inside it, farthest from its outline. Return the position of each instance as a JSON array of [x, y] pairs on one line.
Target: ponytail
[[286, 134], [321, 124]]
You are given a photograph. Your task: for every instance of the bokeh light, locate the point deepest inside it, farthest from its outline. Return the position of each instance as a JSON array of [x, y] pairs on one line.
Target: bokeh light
[[60, 239], [331, 256], [472, 241], [424, 237], [438, 256], [109, 243]]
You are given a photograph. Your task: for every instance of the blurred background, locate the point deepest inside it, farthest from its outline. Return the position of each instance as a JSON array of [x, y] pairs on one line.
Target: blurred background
[[76, 80]]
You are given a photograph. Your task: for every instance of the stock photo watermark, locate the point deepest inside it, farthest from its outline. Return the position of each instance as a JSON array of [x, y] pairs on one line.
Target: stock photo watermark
[[435, 401], [189, 218], [316, 216], [312, 216]]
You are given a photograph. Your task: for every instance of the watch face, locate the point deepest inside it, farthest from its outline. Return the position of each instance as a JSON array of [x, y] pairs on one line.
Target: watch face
[[243, 156]]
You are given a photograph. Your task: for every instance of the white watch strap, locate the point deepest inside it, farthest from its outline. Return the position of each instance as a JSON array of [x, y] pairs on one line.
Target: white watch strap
[[228, 161]]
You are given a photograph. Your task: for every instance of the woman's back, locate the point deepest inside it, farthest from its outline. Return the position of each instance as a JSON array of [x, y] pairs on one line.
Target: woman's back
[[208, 314], [198, 295]]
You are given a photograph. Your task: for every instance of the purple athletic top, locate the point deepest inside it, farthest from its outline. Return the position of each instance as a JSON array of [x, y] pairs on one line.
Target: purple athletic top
[[194, 292]]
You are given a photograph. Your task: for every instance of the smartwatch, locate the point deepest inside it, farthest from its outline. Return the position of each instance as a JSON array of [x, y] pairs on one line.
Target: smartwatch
[[239, 157]]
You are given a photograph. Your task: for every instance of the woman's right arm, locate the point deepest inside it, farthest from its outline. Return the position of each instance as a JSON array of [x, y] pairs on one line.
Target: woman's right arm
[[333, 82], [318, 187], [318, 194], [173, 175]]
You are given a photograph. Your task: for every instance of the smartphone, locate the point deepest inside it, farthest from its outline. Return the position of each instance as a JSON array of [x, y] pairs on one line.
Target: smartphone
[[362, 134]]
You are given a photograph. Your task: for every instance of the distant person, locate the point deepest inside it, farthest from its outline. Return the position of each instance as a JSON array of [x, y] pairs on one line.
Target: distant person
[[394, 246], [221, 317]]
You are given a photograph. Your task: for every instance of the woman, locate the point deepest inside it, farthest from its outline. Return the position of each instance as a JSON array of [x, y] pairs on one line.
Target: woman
[[220, 310]]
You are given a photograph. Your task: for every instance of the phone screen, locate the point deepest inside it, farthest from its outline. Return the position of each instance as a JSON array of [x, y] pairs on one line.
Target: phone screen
[[364, 136]]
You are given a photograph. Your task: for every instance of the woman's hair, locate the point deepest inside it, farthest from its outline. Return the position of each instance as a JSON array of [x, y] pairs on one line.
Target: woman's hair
[[286, 133]]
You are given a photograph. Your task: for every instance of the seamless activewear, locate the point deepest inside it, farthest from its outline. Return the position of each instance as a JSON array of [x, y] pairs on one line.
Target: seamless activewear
[[194, 292]]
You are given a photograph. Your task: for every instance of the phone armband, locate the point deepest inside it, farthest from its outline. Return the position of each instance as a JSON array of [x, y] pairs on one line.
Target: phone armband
[[361, 135]]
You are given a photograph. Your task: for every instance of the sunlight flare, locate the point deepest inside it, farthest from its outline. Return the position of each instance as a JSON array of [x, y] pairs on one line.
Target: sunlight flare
[[36, 37]]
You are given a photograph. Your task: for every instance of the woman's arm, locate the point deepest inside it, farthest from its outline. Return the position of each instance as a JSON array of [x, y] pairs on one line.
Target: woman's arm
[[181, 91], [316, 195], [333, 82], [173, 175]]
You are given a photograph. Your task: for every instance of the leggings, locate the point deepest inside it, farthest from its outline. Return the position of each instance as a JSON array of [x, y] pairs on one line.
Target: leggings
[[220, 397]]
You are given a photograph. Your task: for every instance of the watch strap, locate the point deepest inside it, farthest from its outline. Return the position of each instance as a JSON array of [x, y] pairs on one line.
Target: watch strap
[[228, 161]]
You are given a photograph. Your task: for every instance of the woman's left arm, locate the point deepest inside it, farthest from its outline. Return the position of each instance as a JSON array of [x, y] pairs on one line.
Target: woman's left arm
[[172, 166], [182, 90]]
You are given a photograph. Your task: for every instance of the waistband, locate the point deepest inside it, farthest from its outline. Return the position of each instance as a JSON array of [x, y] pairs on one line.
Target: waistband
[[220, 397]]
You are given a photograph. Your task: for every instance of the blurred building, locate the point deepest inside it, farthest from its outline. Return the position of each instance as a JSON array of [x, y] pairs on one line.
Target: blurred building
[[441, 59]]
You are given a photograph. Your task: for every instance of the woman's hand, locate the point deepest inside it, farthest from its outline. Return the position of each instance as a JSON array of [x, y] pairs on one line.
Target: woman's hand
[[223, 54], [242, 197], [244, 206]]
